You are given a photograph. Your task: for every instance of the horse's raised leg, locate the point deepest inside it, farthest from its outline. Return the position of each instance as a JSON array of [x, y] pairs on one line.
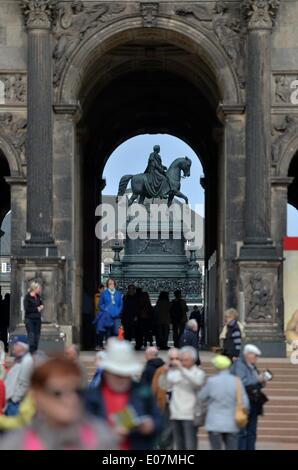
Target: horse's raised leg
[[179, 194], [141, 199], [132, 199]]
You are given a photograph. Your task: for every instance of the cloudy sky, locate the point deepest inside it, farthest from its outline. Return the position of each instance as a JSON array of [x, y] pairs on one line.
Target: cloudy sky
[[132, 156]]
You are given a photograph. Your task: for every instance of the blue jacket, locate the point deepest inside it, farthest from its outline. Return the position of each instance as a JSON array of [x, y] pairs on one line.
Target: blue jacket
[[220, 392], [143, 402], [108, 310], [248, 375]]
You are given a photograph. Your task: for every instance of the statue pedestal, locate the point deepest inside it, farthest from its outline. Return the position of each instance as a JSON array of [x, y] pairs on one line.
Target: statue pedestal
[[156, 261]]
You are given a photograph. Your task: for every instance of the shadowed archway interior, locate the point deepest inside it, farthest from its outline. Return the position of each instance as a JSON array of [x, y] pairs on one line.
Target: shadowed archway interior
[[151, 92]]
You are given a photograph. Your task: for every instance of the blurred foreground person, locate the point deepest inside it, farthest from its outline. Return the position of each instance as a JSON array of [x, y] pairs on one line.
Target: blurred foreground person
[[17, 379], [60, 422], [253, 381], [185, 379], [95, 381], [128, 406], [163, 397], [221, 393], [153, 362], [2, 388]]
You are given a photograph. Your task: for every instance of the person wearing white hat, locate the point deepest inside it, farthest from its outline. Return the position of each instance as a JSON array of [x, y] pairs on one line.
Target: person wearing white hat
[[245, 368], [127, 405]]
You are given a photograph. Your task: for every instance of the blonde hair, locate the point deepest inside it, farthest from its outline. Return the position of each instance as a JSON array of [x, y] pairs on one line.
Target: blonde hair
[[33, 285], [231, 312]]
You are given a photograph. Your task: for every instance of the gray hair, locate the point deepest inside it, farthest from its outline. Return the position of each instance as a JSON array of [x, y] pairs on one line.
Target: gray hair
[[192, 324], [189, 350]]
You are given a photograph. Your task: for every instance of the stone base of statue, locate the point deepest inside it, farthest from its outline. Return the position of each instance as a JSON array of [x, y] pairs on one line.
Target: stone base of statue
[[156, 261]]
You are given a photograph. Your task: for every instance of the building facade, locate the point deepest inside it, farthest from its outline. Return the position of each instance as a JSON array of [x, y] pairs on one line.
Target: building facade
[[77, 78]]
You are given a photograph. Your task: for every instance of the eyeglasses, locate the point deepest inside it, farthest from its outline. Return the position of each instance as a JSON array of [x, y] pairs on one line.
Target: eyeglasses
[[58, 394]]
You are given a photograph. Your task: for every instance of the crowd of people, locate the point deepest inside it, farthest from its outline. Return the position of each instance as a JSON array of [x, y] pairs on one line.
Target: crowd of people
[[141, 321], [158, 401]]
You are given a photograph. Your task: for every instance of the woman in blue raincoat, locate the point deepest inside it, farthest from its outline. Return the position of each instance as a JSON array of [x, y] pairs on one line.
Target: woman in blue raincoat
[[107, 321]]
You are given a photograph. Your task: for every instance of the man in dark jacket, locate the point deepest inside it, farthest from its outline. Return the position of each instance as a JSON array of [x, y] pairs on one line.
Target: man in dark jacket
[[153, 362], [130, 312], [190, 337], [179, 311], [128, 406]]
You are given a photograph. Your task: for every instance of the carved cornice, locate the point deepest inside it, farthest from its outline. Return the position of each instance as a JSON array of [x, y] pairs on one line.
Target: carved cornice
[[260, 14], [38, 14]]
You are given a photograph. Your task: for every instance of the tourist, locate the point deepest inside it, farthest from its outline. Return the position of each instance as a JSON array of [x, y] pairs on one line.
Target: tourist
[[17, 379], [33, 307], [130, 313], [129, 406], [97, 295], [179, 311], [107, 320], [196, 314], [220, 392], [162, 320], [95, 381], [163, 396], [60, 422], [144, 321], [190, 337], [153, 362], [253, 381], [232, 335], [185, 380]]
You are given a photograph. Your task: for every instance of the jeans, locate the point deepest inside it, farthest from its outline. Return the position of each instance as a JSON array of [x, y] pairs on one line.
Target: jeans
[[248, 435], [33, 328], [185, 435], [230, 440]]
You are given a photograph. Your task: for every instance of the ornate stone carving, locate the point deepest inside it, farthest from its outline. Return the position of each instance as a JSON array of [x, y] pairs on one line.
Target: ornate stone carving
[[284, 133], [198, 12], [260, 14], [157, 244], [149, 12], [259, 293], [14, 88], [231, 35], [190, 288], [14, 128], [284, 87], [75, 20], [39, 13]]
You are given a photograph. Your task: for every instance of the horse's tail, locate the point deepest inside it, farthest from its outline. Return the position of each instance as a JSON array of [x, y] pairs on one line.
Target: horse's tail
[[123, 185]]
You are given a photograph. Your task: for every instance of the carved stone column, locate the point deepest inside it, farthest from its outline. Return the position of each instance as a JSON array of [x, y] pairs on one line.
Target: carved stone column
[[260, 16], [38, 19]]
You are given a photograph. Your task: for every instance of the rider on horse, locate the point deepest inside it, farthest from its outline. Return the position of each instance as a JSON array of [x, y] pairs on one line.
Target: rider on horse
[[155, 174]]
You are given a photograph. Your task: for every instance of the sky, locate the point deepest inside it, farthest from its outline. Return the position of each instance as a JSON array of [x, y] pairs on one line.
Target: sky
[[132, 156]]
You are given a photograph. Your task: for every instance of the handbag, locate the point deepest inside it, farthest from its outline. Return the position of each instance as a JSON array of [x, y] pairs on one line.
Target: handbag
[[200, 413], [241, 414]]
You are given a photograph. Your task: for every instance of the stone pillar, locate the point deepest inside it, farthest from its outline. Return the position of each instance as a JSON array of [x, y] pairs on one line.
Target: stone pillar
[[38, 18], [258, 243], [260, 267]]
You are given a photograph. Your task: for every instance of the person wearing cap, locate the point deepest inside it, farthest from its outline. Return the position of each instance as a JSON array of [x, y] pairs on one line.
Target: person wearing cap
[[220, 392], [127, 405], [17, 379], [245, 368]]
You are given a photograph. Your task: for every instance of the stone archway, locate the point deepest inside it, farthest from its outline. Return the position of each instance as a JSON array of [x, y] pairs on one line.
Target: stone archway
[[189, 76]]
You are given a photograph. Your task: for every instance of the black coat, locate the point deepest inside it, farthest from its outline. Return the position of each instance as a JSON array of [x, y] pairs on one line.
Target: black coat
[[150, 368], [30, 307]]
